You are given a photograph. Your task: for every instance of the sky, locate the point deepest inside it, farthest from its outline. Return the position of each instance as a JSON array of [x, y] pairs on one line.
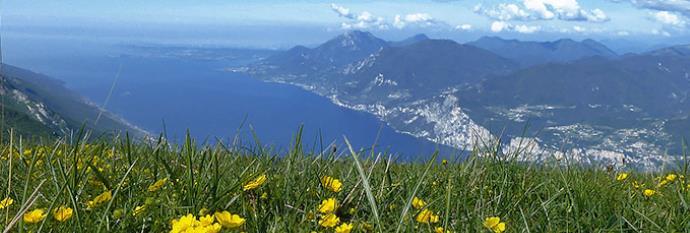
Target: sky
[[285, 23]]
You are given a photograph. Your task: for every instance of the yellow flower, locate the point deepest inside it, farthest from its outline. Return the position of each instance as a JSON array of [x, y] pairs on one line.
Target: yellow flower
[[622, 176], [229, 220], [427, 216], [214, 228], [494, 224], [190, 224], [671, 177], [207, 220], [183, 224], [331, 183], [637, 185], [344, 228], [328, 206], [330, 220], [648, 192], [444, 162], [418, 203], [663, 183], [62, 213], [100, 199], [440, 230], [34, 216], [6, 202], [257, 182], [138, 210], [157, 185]]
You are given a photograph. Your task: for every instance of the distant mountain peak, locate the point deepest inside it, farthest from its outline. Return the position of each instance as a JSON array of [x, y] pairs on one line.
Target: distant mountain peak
[[420, 36], [530, 53], [410, 40], [354, 39], [678, 50]]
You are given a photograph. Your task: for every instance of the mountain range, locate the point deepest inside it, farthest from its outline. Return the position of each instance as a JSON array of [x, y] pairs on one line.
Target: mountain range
[[35, 105], [565, 98]]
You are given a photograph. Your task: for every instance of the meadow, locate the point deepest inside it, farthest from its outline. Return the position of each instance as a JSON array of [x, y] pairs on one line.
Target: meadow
[[124, 185]]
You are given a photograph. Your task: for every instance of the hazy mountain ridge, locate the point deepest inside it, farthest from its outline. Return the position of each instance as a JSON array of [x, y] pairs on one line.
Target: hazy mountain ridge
[[38, 105], [529, 53], [605, 107]]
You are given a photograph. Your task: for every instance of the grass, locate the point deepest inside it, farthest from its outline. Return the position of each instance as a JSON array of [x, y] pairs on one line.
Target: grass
[[376, 194]]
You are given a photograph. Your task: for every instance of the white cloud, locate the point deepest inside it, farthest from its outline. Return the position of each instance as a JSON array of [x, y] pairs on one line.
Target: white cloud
[[367, 20], [568, 10], [660, 32], [579, 29], [464, 27], [669, 18], [526, 29], [363, 20], [499, 26], [623, 33], [342, 11], [504, 12], [678, 6], [417, 19]]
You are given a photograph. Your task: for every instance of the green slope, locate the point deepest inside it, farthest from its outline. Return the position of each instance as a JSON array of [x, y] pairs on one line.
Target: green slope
[[39, 105]]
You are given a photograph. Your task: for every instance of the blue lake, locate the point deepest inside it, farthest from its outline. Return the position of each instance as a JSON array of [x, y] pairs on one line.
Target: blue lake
[[175, 94]]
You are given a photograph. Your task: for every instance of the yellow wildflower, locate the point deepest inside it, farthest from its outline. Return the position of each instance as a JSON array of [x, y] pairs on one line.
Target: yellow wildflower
[[418, 203], [427, 216], [206, 220], [6, 202], [331, 183], [622, 176], [190, 224], [257, 182], [157, 185], [671, 177], [63, 213], [214, 228], [648, 192], [328, 206], [444, 162], [637, 185], [100, 199], [229, 220], [440, 230], [34, 216], [138, 210], [663, 183], [494, 224], [183, 223], [330, 220], [344, 228]]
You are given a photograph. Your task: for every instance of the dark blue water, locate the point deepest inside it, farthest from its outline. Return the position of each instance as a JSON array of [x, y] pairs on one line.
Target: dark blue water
[[173, 95]]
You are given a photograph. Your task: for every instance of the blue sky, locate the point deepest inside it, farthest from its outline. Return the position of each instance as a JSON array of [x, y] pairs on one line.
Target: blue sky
[[260, 22]]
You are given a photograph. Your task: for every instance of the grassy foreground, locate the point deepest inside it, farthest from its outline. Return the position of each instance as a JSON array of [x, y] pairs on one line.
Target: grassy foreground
[[121, 186]]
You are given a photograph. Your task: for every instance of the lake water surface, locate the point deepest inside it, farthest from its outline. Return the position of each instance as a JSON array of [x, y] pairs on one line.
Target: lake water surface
[[173, 94]]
